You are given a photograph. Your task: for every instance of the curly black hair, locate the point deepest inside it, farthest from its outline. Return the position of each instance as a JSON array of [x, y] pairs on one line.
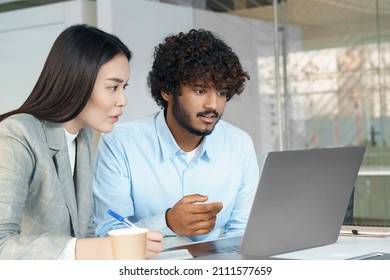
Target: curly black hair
[[193, 57]]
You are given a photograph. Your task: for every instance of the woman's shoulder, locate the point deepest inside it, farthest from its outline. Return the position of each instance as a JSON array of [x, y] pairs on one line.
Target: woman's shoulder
[[20, 120], [21, 125]]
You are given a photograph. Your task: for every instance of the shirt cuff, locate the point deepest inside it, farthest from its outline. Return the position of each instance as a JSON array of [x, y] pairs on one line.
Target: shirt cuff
[[157, 223]]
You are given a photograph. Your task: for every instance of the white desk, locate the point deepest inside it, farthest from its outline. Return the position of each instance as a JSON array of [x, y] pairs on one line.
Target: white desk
[[346, 247]]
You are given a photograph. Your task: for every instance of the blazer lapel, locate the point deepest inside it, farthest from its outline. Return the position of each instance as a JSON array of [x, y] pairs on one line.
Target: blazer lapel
[[59, 150], [83, 180]]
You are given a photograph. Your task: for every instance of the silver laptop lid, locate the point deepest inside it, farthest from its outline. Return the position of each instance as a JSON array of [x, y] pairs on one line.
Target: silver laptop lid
[[301, 199]]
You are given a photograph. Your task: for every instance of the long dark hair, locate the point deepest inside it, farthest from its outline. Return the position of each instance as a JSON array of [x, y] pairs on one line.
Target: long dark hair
[[69, 74]]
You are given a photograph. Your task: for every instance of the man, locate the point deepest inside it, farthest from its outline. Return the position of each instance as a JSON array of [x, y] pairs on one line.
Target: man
[[182, 171]]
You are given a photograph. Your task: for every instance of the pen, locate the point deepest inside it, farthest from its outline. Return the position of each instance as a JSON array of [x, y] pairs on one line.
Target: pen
[[120, 218], [368, 256]]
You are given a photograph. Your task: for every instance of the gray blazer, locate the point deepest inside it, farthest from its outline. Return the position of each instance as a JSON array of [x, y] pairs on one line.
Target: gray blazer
[[41, 205]]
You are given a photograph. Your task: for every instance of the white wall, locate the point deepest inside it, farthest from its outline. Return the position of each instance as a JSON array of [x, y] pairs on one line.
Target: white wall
[[26, 37]]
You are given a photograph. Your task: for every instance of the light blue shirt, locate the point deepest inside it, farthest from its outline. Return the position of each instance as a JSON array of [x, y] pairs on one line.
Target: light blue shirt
[[141, 172]]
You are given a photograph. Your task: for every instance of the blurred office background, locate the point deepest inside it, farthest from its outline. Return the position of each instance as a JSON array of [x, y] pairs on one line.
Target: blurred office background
[[320, 69]]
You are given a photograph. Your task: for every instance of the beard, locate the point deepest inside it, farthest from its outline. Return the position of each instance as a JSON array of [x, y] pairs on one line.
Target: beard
[[183, 117]]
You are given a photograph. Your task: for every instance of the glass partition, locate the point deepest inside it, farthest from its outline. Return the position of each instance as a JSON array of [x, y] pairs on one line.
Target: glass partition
[[335, 87]]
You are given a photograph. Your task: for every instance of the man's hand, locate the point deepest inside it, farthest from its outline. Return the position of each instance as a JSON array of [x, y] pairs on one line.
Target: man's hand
[[189, 218], [154, 245]]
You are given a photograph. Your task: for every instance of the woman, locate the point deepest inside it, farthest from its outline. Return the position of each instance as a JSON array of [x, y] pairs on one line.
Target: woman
[[46, 198]]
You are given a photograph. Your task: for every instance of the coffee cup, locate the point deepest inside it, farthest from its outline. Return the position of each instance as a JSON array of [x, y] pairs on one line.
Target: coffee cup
[[128, 243]]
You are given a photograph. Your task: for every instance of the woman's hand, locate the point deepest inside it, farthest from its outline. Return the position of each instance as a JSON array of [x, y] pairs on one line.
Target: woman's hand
[[154, 244]]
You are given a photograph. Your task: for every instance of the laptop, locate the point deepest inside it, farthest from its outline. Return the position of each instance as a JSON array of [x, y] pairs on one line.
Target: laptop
[[300, 203]]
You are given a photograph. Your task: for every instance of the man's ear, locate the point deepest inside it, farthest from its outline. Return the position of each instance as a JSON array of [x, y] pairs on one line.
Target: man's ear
[[166, 95]]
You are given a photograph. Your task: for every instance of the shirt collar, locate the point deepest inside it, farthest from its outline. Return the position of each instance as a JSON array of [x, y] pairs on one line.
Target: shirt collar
[[169, 147], [70, 137]]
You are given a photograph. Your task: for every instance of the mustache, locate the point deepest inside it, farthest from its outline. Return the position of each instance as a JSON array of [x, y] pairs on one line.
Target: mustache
[[208, 112]]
